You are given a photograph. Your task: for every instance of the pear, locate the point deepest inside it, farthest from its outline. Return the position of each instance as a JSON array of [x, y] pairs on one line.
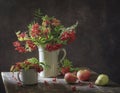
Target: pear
[[102, 80]]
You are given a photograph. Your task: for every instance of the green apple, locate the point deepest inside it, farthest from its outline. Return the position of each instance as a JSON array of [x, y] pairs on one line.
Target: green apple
[[102, 80]]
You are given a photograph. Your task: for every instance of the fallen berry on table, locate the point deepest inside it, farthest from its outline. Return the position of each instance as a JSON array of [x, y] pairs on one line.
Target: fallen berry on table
[[54, 79], [73, 88], [46, 83], [80, 83], [91, 85], [19, 83]]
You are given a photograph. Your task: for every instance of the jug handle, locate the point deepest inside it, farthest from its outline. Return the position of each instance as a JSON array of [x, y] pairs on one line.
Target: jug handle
[[18, 77], [64, 54]]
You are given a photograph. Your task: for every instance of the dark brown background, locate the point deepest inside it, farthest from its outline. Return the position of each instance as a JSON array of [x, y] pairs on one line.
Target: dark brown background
[[97, 45]]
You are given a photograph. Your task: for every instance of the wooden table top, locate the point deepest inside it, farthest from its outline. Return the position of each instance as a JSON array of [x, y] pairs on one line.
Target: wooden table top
[[49, 85]]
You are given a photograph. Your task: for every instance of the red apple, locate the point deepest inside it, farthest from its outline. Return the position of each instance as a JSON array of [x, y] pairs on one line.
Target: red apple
[[83, 75], [70, 77]]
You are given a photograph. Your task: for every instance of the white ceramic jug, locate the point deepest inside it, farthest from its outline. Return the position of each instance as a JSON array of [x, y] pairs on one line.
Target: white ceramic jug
[[50, 59]]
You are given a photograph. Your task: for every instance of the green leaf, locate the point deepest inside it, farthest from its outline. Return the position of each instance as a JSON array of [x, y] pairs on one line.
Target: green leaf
[[33, 60], [37, 14], [17, 33], [71, 27], [30, 26], [72, 69], [27, 67], [66, 63], [44, 65]]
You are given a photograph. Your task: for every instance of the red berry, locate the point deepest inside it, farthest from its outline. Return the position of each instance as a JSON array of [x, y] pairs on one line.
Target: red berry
[[64, 70], [91, 85], [46, 83], [73, 88], [54, 79], [16, 44]]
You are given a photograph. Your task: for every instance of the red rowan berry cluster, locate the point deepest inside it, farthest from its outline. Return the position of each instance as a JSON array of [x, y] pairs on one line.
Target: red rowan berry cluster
[[26, 64], [51, 47], [68, 36], [50, 34], [30, 46], [35, 31]]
